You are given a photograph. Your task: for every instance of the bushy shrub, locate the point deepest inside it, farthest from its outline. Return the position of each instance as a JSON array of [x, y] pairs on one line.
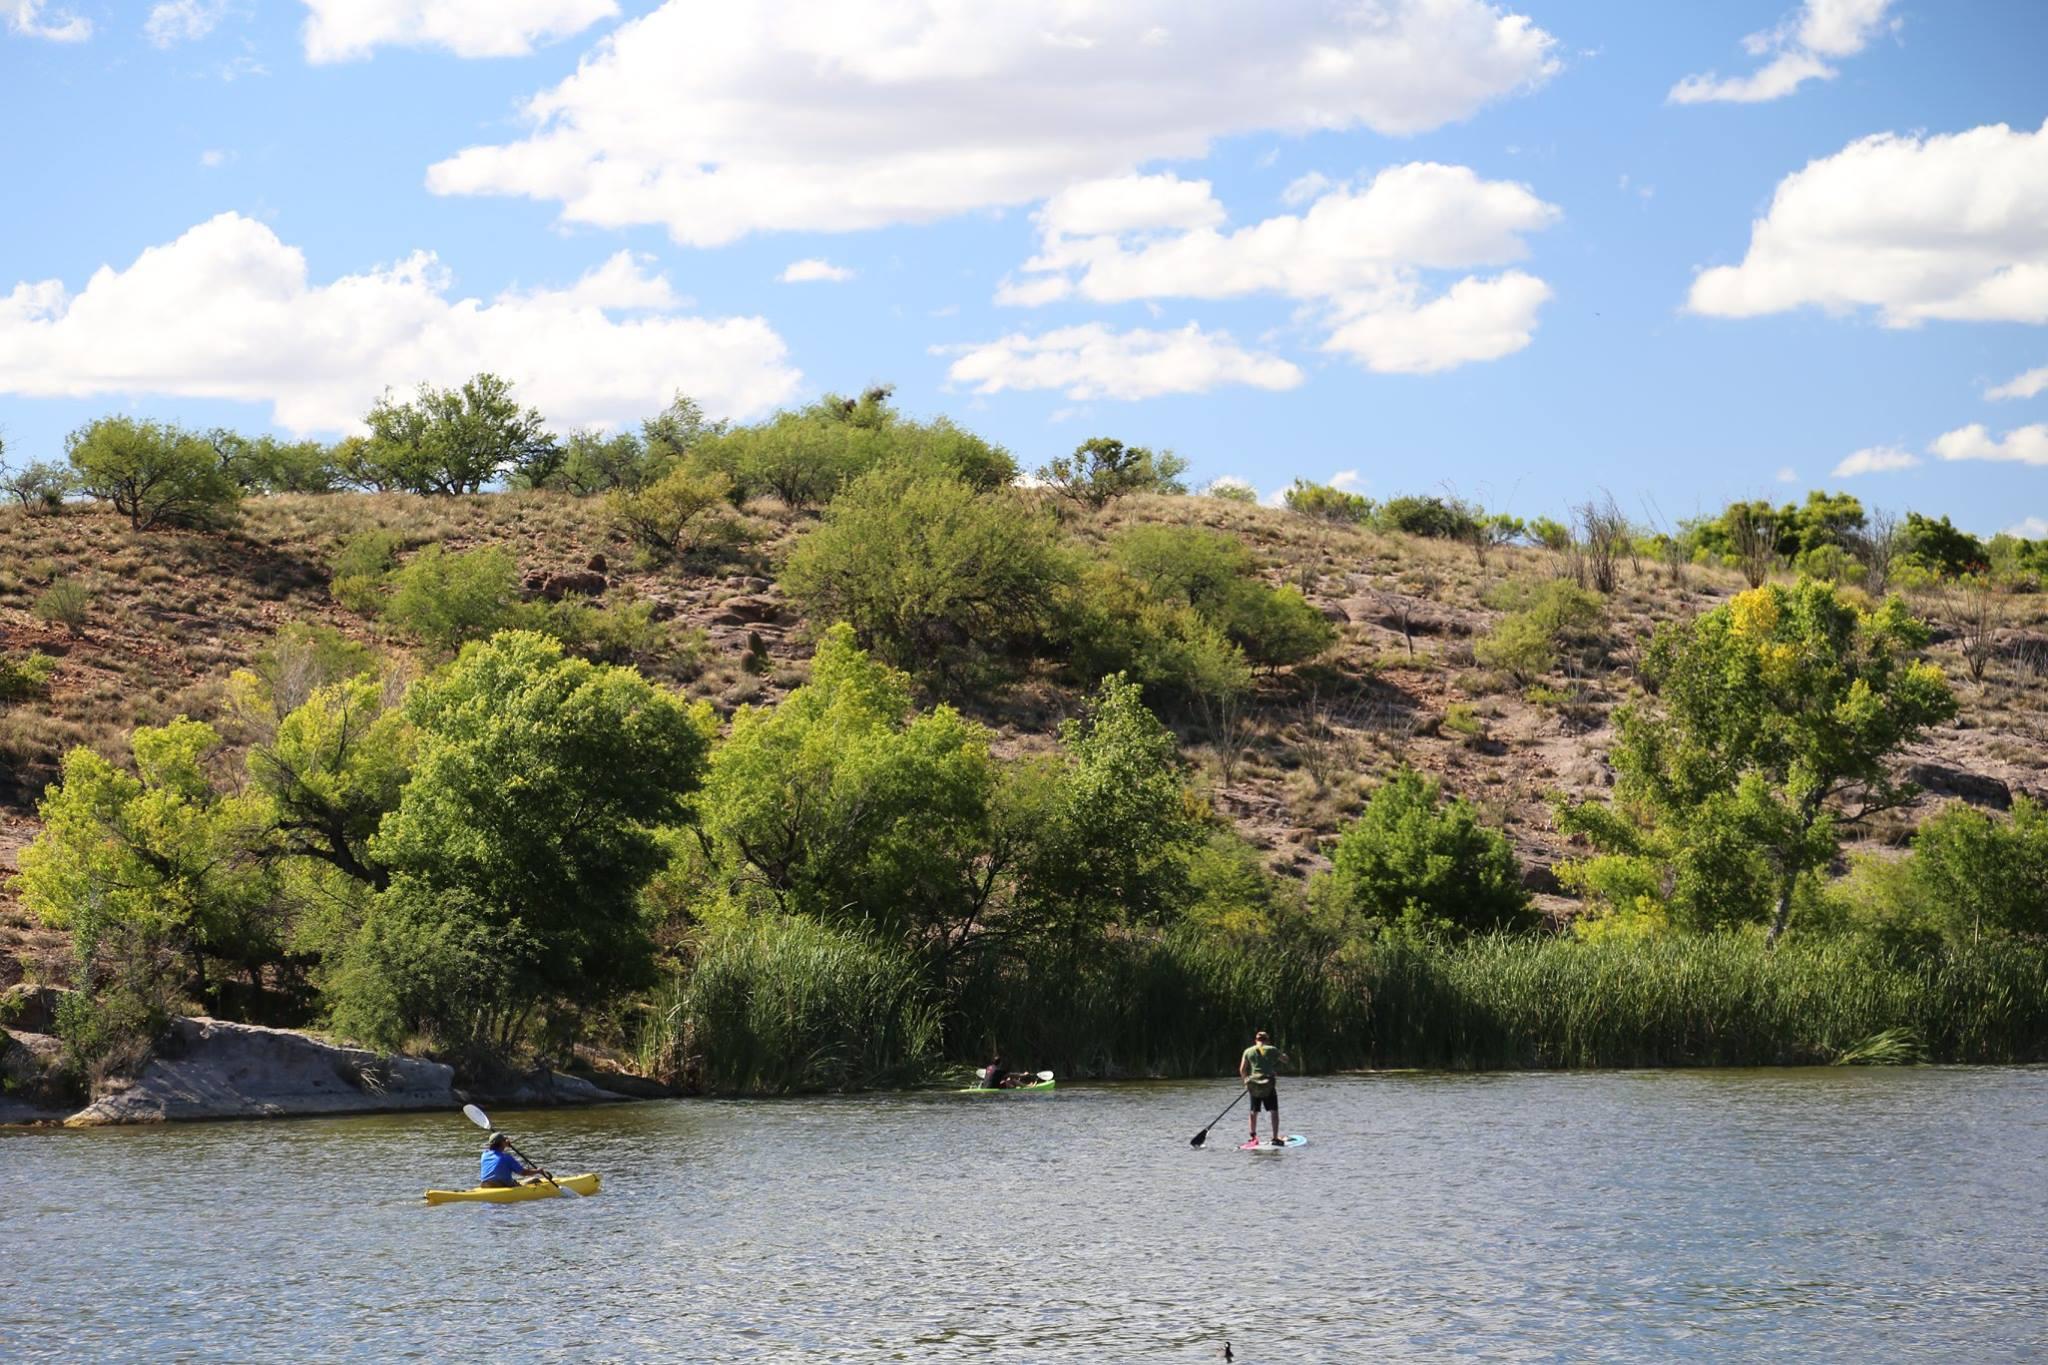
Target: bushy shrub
[[67, 603], [931, 575], [1232, 490], [443, 599], [1980, 874], [1325, 503], [677, 513], [1430, 516], [1215, 576], [1415, 866], [1551, 534], [1541, 616], [25, 677], [362, 568], [806, 457]]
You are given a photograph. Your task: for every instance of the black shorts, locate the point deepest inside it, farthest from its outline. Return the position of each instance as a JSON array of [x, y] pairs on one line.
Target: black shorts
[[1268, 1099]]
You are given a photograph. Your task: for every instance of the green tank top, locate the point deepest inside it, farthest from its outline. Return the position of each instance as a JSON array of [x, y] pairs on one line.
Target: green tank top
[[1258, 1063]]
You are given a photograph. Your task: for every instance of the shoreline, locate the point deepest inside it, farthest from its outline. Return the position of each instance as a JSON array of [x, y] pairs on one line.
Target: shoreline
[[212, 1070]]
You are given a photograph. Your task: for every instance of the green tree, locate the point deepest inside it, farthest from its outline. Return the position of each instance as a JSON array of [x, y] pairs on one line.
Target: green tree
[[1771, 714], [264, 464], [38, 487], [454, 440], [1416, 866], [1941, 548], [1103, 469], [332, 771], [1551, 534], [929, 573], [161, 856], [846, 804], [153, 474], [520, 843], [1113, 824]]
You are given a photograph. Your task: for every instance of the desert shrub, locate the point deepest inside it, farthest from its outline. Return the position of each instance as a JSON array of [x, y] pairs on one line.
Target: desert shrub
[[443, 599], [1551, 534], [1325, 503], [1415, 866], [1979, 874], [362, 568], [676, 514], [1232, 490], [931, 574], [25, 677], [1541, 617], [1215, 576], [67, 603], [1432, 516]]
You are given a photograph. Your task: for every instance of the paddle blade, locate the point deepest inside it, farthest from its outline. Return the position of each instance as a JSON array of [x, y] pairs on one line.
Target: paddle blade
[[476, 1116], [1045, 1075], [1199, 1138]]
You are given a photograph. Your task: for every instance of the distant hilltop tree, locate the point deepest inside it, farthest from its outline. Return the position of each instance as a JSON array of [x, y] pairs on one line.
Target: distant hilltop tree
[[453, 441]]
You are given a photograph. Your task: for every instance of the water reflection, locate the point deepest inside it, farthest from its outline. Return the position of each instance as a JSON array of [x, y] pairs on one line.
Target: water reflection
[[1756, 1215]]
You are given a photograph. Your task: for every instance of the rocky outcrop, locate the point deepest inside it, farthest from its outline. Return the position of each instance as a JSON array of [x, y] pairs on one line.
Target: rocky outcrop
[[1975, 788], [556, 586], [211, 1069], [30, 1088], [28, 1008]]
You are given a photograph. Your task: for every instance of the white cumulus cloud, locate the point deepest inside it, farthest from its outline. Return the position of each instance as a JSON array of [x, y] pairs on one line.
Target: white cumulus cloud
[[814, 270], [344, 30], [1875, 460], [719, 121], [31, 19], [2029, 528], [1359, 255], [1947, 227], [1095, 361], [2021, 385], [2022, 445], [1475, 319], [177, 21], [1797, 47], [226, 311]]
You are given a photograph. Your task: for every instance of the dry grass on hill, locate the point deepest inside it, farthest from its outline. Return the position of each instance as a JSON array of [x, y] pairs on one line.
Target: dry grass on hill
[[173, 613]]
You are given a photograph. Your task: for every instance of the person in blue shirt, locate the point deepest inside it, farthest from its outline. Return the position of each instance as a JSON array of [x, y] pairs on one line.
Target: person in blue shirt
[[500, 1168]]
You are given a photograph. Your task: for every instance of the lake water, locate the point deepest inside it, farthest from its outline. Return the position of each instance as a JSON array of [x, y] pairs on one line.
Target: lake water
[[1737, 1215]]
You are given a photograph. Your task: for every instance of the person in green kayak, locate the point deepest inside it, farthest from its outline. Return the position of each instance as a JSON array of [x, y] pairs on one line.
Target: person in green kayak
[[1259, 1070], [499, 1168]]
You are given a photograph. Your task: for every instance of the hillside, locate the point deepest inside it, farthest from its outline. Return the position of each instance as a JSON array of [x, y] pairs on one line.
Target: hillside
[[174, 612]]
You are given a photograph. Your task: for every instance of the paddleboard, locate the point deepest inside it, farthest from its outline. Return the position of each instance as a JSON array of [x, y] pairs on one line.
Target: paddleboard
[[1291, 1140]]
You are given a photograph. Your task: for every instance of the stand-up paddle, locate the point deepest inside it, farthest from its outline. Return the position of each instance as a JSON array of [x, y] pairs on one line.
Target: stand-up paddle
[[1203, 1136], [483, 1121]]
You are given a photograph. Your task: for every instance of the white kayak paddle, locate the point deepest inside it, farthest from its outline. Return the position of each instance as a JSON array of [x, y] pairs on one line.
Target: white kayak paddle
[[483, 1121]]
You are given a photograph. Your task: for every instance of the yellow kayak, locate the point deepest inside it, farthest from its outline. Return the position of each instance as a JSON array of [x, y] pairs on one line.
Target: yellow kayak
[[512, 1194]]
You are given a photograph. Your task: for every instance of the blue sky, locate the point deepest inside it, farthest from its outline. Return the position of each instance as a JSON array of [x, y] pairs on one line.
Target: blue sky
[[1523, 251]]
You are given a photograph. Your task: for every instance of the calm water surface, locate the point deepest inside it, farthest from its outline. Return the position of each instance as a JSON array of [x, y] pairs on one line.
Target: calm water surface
[[1749, 1215]]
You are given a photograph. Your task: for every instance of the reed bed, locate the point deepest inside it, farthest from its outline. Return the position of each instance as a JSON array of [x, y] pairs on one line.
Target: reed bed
[[795, 1007]]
